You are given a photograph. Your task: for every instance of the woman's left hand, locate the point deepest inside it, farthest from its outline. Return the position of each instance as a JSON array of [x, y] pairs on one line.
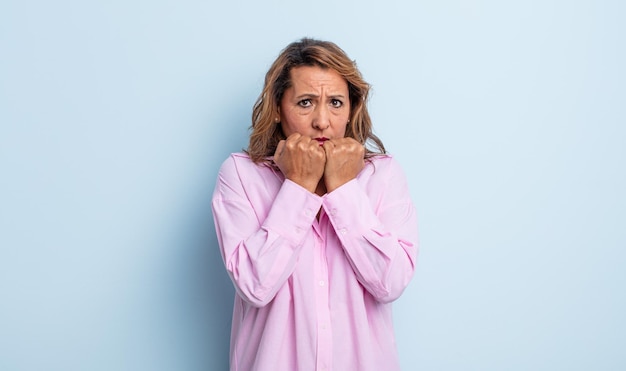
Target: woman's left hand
[[344, 161]]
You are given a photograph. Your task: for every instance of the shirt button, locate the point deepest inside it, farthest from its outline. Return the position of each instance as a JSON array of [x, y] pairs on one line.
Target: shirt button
[[333, 212], [321, 283], [343, 231], [307, 212]]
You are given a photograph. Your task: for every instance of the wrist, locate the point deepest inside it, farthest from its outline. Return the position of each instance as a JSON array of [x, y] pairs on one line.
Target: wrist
[[332, 184], [309, 185]]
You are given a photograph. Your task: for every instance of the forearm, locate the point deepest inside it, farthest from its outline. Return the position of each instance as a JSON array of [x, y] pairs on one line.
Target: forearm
[[260, 255], [381, 244]]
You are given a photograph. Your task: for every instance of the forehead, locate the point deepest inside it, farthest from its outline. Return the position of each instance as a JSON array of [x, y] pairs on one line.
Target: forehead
[[314, 77]]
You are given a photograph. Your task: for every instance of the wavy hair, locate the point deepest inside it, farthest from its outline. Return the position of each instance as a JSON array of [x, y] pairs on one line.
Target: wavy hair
[[266, 133]]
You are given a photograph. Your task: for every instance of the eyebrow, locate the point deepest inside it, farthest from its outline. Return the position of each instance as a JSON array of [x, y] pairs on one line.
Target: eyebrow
[[336, 96]]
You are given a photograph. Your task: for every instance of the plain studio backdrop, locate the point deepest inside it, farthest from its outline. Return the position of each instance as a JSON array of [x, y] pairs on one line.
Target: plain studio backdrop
[[507, 116]]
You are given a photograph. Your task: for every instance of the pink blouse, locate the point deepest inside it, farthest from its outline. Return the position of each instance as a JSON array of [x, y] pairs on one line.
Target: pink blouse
[[314, 293]]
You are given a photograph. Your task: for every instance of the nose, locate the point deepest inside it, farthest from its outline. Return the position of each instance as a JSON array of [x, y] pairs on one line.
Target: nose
[[321, 119]]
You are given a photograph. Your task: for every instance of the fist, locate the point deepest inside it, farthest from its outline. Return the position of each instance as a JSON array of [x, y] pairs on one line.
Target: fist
[[344, 161], [301, 160]]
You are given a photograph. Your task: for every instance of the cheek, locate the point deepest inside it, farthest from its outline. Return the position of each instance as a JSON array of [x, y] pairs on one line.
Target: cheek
[[285, 127], [290, 124], [342, 128], [342, 131]]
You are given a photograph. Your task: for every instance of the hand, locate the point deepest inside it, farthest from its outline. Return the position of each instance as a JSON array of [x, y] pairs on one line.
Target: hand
[[344, 161], [301, 160]]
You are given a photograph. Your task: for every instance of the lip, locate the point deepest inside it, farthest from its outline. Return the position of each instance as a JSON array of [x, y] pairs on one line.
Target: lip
[[321, 140]]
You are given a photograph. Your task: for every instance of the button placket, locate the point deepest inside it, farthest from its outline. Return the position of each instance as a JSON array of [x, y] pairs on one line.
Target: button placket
[[324, 338]]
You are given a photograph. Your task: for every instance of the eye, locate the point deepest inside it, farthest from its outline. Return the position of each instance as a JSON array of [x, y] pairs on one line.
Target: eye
[[305, 103], [336, 103]]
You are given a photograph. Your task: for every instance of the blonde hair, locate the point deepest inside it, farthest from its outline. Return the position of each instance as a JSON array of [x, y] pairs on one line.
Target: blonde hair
[[266, 132]]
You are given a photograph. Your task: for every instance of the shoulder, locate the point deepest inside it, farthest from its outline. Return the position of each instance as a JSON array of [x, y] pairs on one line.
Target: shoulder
[[384, 180], [381, 159], [384, 164], [236, 161], [240, 165], [237, 158], [382, 171], [240, 179]]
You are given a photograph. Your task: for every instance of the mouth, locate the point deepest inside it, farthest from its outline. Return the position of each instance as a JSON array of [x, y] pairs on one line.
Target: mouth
[[321, 140]]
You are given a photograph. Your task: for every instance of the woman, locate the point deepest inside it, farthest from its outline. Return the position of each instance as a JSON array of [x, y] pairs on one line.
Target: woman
[[317, 232]]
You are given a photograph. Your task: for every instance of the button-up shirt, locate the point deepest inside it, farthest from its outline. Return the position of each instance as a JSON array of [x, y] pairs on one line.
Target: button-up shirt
[[314, 275]]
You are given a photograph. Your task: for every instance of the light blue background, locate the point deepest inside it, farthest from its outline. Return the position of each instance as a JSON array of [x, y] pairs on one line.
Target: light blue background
[[508, 117]]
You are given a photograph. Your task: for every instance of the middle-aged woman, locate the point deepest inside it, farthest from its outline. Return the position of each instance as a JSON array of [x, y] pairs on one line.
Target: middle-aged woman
[[315, 223]]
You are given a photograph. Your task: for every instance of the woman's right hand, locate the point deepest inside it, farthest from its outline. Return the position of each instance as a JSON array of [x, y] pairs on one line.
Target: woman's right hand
[[301, 160]]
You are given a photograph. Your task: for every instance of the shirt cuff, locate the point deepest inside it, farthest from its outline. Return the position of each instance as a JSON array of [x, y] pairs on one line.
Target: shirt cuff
[[293, 211], [348, 208]]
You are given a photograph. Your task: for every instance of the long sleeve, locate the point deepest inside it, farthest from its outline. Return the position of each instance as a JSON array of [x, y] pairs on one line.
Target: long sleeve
[[377, 228], [314, 293], [260, 243]]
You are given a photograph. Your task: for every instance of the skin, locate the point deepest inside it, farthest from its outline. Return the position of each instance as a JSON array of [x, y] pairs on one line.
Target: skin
[[317, 105]]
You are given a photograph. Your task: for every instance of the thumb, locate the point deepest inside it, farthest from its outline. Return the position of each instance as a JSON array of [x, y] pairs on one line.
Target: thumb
[[328, 147]]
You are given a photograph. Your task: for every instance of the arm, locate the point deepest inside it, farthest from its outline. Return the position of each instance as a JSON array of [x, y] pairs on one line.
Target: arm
[[380, 241], [259, 252]]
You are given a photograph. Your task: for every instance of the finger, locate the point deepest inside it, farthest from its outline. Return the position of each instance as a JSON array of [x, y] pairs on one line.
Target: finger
[[294, 137], [319, 148]]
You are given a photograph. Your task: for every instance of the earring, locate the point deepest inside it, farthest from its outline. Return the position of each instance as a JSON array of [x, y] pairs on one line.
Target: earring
[[276, 119]]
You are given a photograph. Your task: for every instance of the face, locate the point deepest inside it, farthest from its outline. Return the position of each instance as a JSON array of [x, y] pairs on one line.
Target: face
[[316, 105]]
